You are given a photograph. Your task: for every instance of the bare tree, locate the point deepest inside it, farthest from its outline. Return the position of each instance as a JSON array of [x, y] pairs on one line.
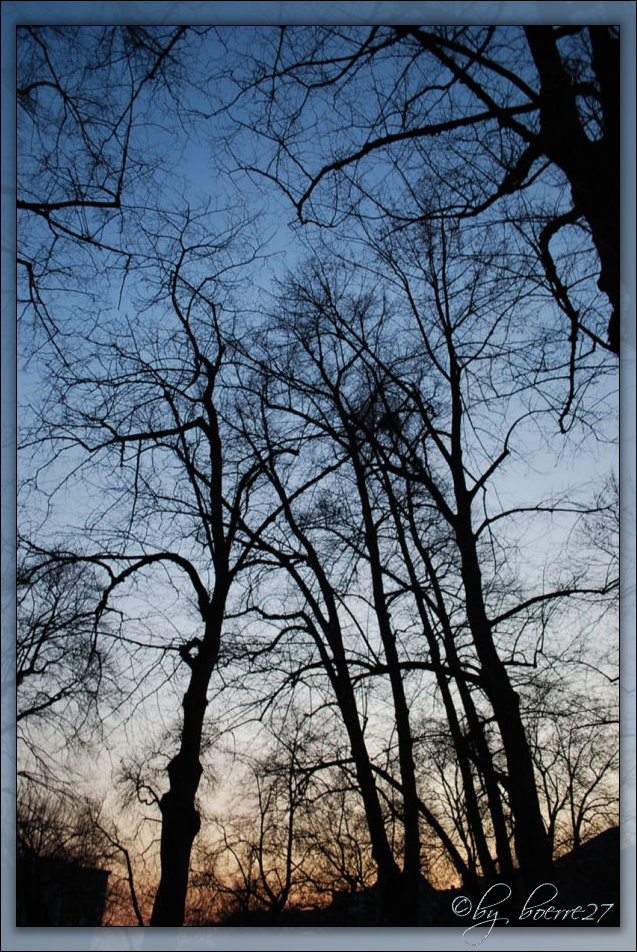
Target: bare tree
[[259, 862], [53, 825], [312, 387], [464, 120], [67, 676], [317, 496], [337, 837], [153, 404], [116, 851], [576, 757], [66, 827], [401, 417], [318, 620], [57, 656], [472, 466], [90, 143], [58, 853]]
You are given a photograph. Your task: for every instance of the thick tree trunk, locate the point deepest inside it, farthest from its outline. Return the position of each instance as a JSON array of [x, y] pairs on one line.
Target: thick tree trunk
[[531, 841], [532, 845], [180, 817], [180, 825], [591, 165]]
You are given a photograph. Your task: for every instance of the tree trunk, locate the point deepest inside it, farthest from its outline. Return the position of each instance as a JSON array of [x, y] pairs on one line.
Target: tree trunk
[[476, 827], [388, 872], [408, 895], [337, 669], [531, 841], [591, 165], [476, 732], [389, 877], [180, 817]]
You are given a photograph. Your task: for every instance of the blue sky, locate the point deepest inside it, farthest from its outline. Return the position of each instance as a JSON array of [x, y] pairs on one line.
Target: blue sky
[[285, 12]]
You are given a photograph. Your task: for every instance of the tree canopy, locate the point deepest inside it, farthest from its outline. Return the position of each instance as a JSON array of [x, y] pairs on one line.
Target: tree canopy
[[319, 332]]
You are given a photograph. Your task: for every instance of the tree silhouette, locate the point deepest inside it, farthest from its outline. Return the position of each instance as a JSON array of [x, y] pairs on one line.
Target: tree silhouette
[[339, 382], [253, 492], [462, 118], [84, 96], [148, 411]]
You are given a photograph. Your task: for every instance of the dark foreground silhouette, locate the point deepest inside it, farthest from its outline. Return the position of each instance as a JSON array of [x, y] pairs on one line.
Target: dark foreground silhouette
[[584, 892]]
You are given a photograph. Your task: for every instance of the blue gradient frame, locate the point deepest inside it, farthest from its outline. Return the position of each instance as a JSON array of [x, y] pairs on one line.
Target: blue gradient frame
[[622, 13]]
